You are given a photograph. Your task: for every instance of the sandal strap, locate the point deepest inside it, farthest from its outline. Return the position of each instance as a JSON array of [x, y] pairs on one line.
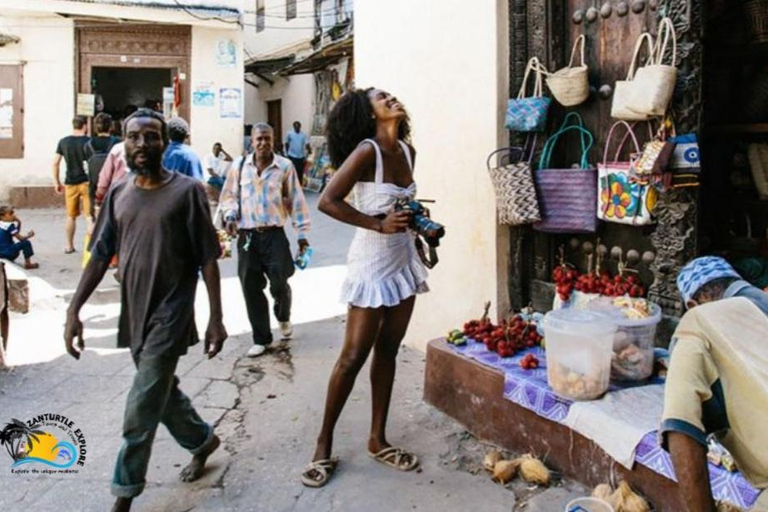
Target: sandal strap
[[387, 454]]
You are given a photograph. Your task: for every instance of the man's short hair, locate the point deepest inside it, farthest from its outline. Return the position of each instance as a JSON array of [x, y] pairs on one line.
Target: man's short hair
[[263, 127], [78, 122], [5, 209], [178, 129], [102, 123], [715, 289], [148, 113]]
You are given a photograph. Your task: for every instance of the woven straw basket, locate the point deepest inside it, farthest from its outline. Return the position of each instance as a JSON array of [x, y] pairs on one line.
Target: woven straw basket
[[757, 19], [655, 83], [516, 201], [570, 85], [625, 88]]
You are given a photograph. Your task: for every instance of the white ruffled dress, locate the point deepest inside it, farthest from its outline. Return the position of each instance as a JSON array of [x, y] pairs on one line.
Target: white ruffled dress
[[382, 270]]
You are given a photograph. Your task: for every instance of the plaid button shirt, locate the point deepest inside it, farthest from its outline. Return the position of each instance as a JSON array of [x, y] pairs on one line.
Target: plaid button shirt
[[267, 200]]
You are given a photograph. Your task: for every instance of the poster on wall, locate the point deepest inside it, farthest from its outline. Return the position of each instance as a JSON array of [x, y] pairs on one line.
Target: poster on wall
[[226, 53], [86, 104], [230, 103], [6, 113], [203, 95]]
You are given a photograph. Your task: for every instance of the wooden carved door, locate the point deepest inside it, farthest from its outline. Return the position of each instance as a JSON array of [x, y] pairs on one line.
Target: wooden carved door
[[547, 29]]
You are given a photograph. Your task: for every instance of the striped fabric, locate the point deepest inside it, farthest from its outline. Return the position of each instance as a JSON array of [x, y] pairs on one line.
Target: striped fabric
[[267, 200]]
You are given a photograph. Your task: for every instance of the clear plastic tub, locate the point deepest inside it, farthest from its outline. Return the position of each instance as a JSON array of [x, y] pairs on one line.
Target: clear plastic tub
[[579, 348], [588, 505], [633, 343]]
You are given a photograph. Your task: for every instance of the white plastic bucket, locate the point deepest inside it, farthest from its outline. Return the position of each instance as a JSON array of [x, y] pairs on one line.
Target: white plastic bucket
[[588, 505]]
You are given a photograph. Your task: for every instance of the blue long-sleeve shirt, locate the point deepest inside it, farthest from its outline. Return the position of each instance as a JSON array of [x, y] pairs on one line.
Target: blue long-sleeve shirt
[[180, 158]]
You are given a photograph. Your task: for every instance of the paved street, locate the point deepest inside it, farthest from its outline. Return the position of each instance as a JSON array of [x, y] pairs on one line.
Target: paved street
[[267, 411]]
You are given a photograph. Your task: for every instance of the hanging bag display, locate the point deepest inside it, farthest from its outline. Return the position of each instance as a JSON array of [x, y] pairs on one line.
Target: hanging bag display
[[516, 201], [623, 198], [567, 197], [570, 85], [624, 89], [655, 82], [657, 153], [529, 114]]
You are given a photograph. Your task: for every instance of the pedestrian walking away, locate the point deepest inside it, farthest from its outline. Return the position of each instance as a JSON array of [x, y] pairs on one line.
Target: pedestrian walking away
[[75, 187], [10, 230], [716, 383], [179, 157], [96, 153], [297, 149], [217, 164], [160, 223], [368, 132], [261, 192]]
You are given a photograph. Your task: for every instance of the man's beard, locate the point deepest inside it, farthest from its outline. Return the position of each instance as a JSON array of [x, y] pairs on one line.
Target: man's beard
[[151, 166]]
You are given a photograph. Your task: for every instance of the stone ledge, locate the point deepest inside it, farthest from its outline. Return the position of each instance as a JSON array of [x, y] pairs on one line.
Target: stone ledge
[[472, 394], [18, 288], [35, 196]]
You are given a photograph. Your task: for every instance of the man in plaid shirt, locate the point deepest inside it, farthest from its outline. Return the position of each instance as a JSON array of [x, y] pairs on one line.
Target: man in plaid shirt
[[261, 191]]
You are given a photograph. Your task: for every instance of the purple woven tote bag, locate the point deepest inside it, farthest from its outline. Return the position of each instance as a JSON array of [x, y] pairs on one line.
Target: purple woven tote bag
[[567, 197]]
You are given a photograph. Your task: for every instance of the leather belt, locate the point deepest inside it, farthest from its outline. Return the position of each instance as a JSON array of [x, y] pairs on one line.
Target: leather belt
[[262, 229]]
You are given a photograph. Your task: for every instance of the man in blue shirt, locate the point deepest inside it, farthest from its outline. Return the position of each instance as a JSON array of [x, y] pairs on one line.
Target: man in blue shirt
[[179, 157], [297, 149]]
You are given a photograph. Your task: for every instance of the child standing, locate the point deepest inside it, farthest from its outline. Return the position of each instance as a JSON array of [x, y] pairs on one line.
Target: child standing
[[10, 225]]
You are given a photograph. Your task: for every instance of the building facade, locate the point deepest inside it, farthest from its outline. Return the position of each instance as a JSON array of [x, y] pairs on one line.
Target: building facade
[[124, 53]]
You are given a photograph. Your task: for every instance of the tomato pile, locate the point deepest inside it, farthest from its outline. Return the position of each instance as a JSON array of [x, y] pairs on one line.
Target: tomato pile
[[507, 338]]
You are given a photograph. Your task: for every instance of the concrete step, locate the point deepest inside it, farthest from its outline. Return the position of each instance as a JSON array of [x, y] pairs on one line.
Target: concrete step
[[35, 196]]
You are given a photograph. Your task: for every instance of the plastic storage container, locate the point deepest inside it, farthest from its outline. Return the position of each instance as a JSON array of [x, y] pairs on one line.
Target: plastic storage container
[[579, 349], [633, 343], [588, 505]]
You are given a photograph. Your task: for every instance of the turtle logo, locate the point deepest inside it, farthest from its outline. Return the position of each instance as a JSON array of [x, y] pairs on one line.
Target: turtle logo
[[49, 440]]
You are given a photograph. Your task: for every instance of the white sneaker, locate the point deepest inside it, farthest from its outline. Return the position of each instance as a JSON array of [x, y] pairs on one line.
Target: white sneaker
[[286, 330], [256, 351]]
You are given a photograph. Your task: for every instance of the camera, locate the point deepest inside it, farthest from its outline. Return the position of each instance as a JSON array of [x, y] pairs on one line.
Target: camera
[[425, 227]]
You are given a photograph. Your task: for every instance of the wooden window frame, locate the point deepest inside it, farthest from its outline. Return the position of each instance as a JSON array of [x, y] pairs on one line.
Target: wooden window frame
[[14, 147]]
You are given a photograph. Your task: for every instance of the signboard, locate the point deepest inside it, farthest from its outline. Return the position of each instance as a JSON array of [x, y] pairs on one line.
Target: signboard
[[86, 104], [230, 103], [226, 53]]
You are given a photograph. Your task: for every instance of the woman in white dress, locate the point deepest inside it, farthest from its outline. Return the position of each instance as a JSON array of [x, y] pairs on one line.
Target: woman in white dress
[[367, 133]]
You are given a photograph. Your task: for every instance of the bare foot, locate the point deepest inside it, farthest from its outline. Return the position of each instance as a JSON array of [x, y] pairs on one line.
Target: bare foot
[[122, 505], [194, 470]]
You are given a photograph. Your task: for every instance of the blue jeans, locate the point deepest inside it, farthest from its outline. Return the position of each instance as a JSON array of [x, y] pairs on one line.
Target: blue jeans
[[216, 182], [12, 252], [155, 398]]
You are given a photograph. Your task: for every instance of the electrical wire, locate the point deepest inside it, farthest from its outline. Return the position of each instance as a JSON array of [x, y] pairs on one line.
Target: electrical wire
[[203, 18]]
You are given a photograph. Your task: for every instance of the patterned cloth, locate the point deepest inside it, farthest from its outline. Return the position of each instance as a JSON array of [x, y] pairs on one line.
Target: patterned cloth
[[267, 200], [529, 389], [701, 271]]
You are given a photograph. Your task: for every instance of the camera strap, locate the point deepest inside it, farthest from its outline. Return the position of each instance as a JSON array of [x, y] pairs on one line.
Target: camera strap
[[430, 261]]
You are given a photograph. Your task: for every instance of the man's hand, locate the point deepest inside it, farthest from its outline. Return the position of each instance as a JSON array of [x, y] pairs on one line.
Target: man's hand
[[74, 329], [31, 233], [59, 188], [303, 245], [231, 227], [215, 335]]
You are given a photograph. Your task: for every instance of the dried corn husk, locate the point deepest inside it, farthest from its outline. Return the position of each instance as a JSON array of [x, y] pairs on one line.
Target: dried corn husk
[[505, 471], [491, 460], [625, 500], [533, 470], [603, 492]]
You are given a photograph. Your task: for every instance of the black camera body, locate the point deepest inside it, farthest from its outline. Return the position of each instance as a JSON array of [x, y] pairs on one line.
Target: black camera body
[[425, 227]]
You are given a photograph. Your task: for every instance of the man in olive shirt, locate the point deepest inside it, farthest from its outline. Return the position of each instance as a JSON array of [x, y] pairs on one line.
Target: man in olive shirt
[[160, 224], [75, 188]]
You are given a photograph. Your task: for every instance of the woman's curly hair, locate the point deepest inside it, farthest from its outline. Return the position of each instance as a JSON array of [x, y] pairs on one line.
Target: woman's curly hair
[[351, 121]]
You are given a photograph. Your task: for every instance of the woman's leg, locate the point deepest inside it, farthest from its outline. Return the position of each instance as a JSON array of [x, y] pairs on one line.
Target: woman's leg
[[394, 325], [362, 328]]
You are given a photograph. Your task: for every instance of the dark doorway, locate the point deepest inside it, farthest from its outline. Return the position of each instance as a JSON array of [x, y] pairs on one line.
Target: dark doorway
[[275, 120], [120, 87]]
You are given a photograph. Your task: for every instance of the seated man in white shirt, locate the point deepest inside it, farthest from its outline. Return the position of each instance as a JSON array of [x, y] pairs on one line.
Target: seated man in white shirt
[[217, 163]]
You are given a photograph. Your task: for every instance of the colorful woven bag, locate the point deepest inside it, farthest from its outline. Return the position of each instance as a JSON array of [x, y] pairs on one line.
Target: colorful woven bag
[[567, 197], [516, 202], [529, 114], [624, 198]]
